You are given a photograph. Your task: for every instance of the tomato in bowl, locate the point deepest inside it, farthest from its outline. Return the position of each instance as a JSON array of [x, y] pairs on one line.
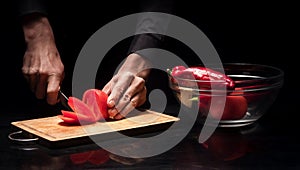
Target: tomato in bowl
[[236, 97]]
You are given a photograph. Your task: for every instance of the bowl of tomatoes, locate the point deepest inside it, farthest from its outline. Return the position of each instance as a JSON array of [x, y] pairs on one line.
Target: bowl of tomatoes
[[233, 94]]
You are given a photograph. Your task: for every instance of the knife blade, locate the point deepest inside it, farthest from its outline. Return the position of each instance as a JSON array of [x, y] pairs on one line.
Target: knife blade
[[64, 100]]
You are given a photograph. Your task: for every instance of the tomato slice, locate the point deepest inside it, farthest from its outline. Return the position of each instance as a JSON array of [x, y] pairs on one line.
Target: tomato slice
[[97, 101], [68, 120], [77, 116], [81, 108], [92, 108]]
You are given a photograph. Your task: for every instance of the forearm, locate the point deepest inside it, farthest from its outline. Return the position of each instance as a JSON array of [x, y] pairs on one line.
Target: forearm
[[151, 28], [33, 18]]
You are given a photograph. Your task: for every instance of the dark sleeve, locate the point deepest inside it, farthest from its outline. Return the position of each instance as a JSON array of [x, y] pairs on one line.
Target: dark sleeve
[[147, 24], [25, 7]]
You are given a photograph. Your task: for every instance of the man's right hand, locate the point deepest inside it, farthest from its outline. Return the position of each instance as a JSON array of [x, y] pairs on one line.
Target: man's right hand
[[42, 65]]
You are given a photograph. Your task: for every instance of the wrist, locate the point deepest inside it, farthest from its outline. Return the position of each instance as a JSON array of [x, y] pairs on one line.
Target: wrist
[[137, 65], [36, 26]]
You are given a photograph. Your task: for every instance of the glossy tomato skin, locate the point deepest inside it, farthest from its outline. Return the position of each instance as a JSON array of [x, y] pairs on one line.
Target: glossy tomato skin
[[92, 108], [97, 100], [235, 107], [82, 110], [102, 103], [78, 117]]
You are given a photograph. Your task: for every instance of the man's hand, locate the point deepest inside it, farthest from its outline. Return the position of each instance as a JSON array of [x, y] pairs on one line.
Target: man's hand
[[126, 90], [42, 65]]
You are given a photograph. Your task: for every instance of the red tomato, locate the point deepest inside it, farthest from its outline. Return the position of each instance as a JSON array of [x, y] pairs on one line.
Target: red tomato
[[77, 117], [82, 110], [235, 107], [92, 108], [97, 101]]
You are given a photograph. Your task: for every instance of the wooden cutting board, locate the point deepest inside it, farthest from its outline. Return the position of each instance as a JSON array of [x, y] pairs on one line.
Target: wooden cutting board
[[51, 131]]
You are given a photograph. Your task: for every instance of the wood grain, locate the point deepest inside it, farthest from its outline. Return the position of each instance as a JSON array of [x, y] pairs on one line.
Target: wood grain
[[53, 129]]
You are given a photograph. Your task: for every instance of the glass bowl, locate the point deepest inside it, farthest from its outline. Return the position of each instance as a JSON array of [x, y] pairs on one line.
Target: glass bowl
[[255, 89]]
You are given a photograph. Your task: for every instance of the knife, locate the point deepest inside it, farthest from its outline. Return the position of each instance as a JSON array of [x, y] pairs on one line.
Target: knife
[[64, 100]]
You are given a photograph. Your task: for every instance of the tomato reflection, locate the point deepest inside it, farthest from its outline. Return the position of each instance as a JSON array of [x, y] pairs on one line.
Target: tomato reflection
[[95, 157], [99, 157], [227, 145]]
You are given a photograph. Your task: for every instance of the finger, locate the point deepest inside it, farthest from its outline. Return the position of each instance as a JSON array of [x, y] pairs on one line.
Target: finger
[[40, 90], [140, 98], [26, 66], [118, 117], [137, 100], [135, 87], [25, 73], [128, 108], [107, 88], [31, 75], [53, 88], [32, 82], [119, 88], [112, 113]]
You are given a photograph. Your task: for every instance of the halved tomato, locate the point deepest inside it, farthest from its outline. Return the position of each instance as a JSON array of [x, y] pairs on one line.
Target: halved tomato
[[97, 100], [81, 108], [92, 108]]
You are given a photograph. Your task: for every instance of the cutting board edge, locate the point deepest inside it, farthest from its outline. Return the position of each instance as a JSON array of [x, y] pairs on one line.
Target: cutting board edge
[[39, 134]]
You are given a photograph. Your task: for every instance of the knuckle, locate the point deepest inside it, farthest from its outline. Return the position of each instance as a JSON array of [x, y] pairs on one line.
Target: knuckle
[[32, 70], [24, 70], [134, 103], [126, 97], [52, 89], [141, 81], [115, 79], [128, 74], [119, 90]]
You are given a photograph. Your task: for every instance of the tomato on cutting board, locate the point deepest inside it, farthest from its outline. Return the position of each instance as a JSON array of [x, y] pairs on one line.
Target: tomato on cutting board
[[92, 108], [97, 101]]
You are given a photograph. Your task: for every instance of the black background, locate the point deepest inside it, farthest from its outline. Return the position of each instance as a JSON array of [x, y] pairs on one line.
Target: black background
[[249, 32]]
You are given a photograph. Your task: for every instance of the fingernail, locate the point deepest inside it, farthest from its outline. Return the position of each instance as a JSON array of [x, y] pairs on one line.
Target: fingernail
[[111, 103]]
